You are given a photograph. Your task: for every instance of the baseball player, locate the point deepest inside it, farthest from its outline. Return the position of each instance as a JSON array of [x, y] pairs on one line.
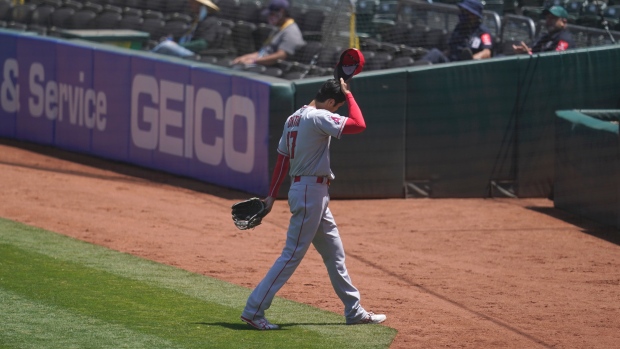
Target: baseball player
[[304, 149]]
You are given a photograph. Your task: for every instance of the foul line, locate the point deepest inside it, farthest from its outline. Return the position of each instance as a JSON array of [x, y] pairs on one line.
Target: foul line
[[446, 299]]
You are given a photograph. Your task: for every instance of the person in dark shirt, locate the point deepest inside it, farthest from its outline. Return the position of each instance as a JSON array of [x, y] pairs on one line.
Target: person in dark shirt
[[470, 39], [557, 38]]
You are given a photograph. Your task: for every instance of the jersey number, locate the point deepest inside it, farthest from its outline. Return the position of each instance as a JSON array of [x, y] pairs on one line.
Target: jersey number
[[291, 140]]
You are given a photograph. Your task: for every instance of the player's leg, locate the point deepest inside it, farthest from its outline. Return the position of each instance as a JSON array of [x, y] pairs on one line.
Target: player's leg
[[307, 203], [328, 243]]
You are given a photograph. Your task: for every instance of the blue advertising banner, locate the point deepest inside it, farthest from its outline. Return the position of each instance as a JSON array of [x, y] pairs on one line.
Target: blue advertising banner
[[77, 100], [150, 110], [112, 83], [8, 83], [38, 90]]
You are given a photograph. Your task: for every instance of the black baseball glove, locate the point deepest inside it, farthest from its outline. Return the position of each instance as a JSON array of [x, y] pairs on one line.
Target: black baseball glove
[[249, 213]]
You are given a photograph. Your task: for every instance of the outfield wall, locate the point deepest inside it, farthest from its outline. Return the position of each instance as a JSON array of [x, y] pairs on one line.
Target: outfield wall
[[145, 109], [472, 129], [587, 155]]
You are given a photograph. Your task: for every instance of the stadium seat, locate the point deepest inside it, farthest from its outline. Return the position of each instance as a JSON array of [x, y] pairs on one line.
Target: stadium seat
[[297, 12], [152, 14], [401, 62], [72, 4], [382, 27], [42, 15], [82, 19], [228, 9], [118, 3], [390, 48], [107, 20], [329, 56], [176, 28], [132, 22], [92, 6], [139, 4], [387, 10], [369, 44], [179, 17], [378, 61], [494, 22], [112, 8], [592, 14], [612, 15], [364, 13], [515, 29], [400, 33], [248, 11], [157, 5], [574, 9], [173, 6], [309, 53], [61, 17], [155, 28], [243, 37], [5, 10], [21, 14], [220, 43], [436, 38], [313, 24], [417, 36]]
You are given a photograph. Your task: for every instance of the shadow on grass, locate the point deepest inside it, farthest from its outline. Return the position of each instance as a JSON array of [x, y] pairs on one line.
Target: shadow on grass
[[136, 173], [243, 326], [588, 226]]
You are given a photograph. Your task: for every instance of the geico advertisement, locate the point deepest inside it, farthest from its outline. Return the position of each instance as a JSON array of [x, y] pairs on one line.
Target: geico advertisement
[[136, 107], [165, 116]]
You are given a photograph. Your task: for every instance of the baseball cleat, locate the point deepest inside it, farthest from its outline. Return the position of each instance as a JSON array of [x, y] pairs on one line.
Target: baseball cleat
[[370, 318], [260, 324]]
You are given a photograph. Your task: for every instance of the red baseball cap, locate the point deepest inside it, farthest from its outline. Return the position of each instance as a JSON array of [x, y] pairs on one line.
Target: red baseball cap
[[350, 64]]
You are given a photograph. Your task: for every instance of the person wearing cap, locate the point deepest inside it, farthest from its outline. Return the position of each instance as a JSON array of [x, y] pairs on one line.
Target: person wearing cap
[[557, 38], [282, 43], [189, 45], [470, 39]]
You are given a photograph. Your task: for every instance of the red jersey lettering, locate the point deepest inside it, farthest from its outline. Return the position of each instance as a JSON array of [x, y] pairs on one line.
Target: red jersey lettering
[[562, 46], [486, 39]]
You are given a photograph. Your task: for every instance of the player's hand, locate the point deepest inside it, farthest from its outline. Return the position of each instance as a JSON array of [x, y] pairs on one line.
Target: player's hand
[[344, 86]]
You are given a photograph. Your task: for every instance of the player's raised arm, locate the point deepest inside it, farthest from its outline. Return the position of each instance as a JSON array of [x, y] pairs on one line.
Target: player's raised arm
[[355, 123]]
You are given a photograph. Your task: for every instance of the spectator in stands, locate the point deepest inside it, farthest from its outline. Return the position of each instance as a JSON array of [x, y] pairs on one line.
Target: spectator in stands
[[557, 37], [470, 38], [282, 43], [188, 45]]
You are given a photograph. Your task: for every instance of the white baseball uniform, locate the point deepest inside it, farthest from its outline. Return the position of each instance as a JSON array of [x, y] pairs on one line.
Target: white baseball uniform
[[305, 141]]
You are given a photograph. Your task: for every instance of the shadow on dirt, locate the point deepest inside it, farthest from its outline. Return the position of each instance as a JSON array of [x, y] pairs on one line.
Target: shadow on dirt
[[134, 173], [588, 226]]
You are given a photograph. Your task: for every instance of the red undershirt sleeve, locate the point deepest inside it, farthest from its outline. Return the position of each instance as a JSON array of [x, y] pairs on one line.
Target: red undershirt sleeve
[[279, 173], [355, 123]]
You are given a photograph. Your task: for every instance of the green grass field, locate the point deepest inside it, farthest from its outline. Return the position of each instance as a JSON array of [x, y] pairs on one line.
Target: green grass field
[[58, 292]]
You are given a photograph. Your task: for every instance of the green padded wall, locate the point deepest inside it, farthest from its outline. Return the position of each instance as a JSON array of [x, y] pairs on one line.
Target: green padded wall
[[460, 127], [584, 79], [586, 166]]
